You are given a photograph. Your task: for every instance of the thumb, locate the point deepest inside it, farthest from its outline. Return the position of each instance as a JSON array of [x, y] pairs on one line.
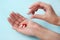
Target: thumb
[[38, 16]]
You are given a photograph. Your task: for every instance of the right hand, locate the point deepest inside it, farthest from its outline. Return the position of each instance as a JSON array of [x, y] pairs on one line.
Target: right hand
[[49, 16]]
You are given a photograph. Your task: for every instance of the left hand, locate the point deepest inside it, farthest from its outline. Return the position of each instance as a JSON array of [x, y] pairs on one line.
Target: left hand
[[17, 21]]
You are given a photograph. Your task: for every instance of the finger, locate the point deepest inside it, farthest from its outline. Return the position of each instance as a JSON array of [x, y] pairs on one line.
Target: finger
[[38, 16], [10, 21], [21, 18], [12, 16], [44, 6], [31, 11], [17, 17], [17, 22], [34, 5], [15, 27], [41, 5], [18, 28]]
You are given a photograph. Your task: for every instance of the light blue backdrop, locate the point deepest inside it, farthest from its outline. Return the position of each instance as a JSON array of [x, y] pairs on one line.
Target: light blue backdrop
[[21, 6]]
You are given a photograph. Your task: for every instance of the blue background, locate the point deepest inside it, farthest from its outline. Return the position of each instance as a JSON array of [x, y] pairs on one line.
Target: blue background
[[22, 7]]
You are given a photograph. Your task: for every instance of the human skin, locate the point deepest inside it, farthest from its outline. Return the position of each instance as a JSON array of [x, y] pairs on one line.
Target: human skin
[[31, 28], [49, 15]]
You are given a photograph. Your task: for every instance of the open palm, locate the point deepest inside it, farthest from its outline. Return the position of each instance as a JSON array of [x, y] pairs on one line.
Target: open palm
[[21, 24]]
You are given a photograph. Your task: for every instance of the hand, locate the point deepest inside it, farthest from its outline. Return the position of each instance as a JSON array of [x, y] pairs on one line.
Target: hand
[[27, 27], [17, 21], [49, 16]]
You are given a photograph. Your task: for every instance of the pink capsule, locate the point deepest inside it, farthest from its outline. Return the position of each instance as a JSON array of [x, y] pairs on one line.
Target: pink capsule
[[24, 25]]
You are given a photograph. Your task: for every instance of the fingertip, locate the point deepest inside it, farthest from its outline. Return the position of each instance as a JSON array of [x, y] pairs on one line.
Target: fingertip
[[28, 13], [32, 13], [14, 28], [30, 7], [8, 19], [12, 12]]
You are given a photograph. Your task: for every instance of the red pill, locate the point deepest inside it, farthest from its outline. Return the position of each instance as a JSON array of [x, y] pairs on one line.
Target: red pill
[[24, 25]]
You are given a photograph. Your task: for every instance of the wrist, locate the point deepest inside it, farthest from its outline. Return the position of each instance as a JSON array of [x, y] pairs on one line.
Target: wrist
[[46, 34], [40, 33], [58, 21]]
